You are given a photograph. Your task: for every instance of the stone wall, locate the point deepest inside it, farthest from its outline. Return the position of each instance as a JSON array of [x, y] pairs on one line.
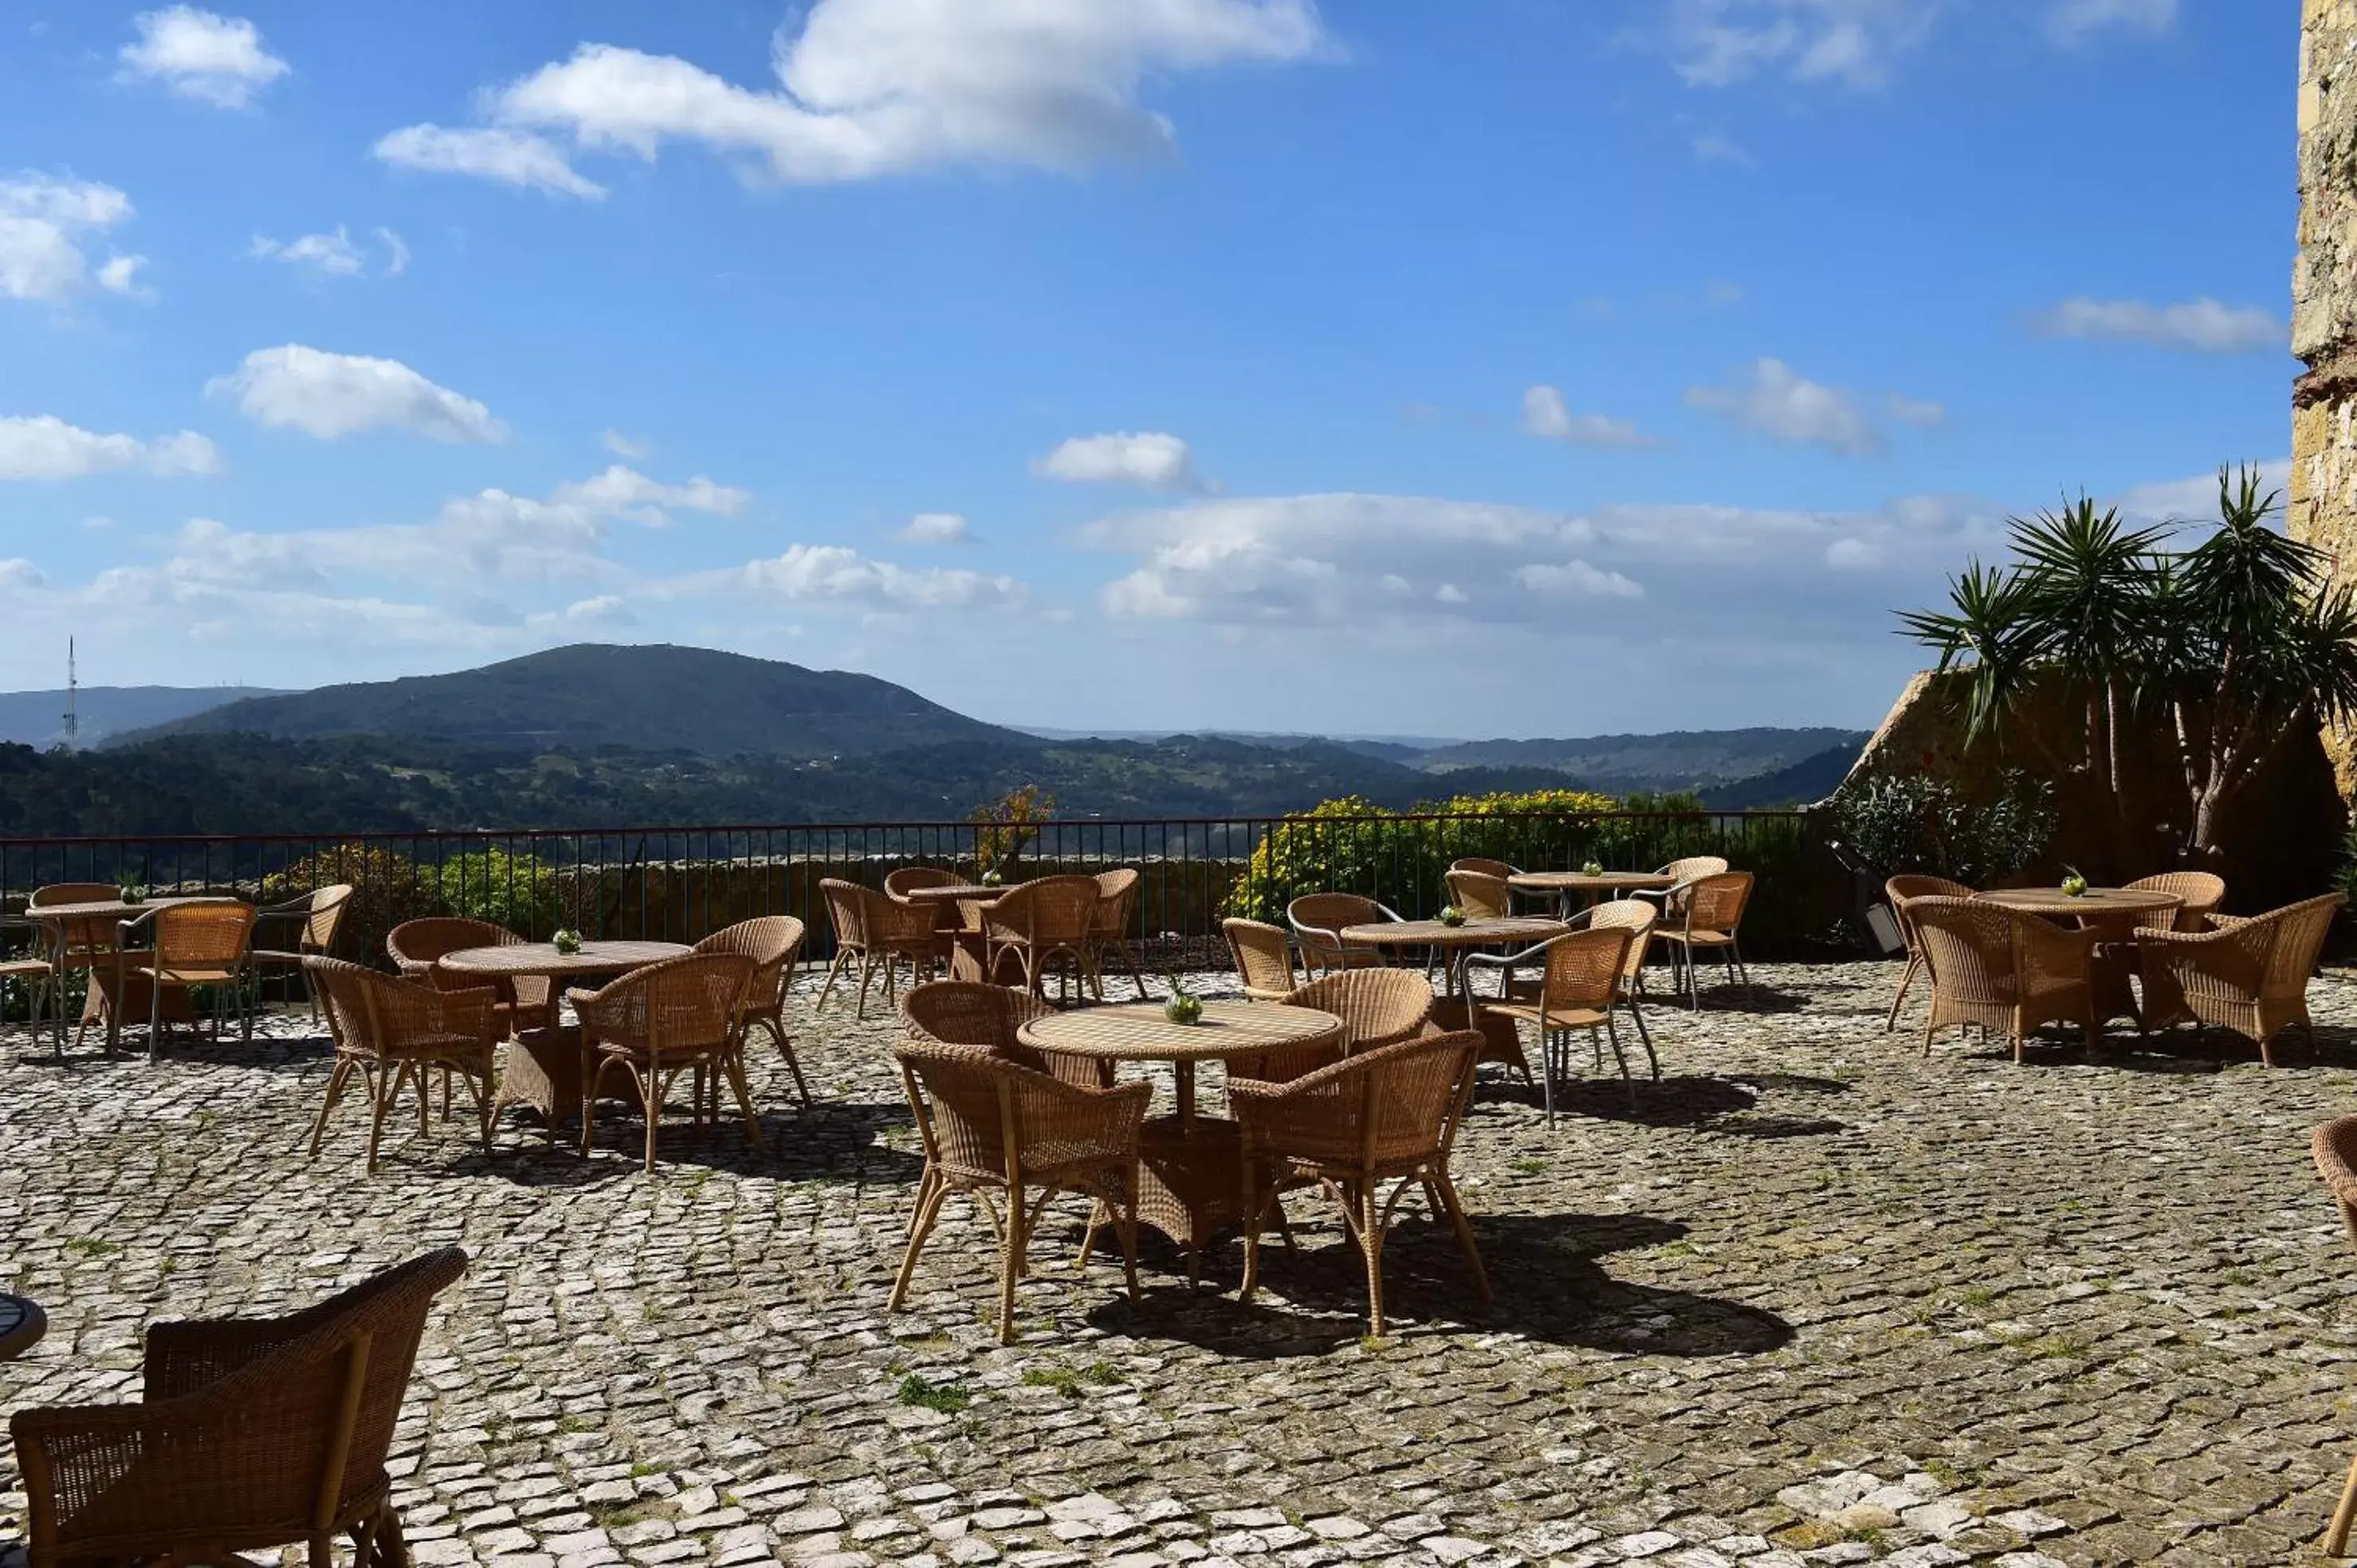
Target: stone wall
[[2323, 485]]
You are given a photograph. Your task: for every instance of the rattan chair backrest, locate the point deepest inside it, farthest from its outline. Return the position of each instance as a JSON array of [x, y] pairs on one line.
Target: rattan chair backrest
[[1377, 1007], [684, 1006], [325, 916], [1475, 863], [1390, 1106], [215, 934], [1482, 895], [1317, 919], [87, 935], [2198, 893], [1633, 916], [1046, 911], [372, 1013], [1715, 902], [984, 1116], [1583, 967], [847, 910], [1262, 955], [772, 942], [2334, 1148], [1695, 867], [2301, 928], [909, 879], [969, 1012], [1968, 945], [1116, 908], [438, 936]]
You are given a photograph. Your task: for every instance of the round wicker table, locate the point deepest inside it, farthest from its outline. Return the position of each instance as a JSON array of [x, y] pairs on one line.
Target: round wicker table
[[543, 1068], [1190, 1168], [2112, 914], [1453, 940], [966, 951], [1565, 884], [22, 1324]]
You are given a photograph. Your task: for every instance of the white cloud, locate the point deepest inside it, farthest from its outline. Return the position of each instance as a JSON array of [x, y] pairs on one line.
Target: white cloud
[[1852, 554], [1578, 579], [44, 446], [119, 274], [624, 492], [396, 252], [835, 573], [1149, 457], [510, 157], [213, 59], [2075, 21], [1921, 413], [869, 88], [45, 221], [1545, 415], [602, 612], [622, 447], [1781, 404], [2204, 326], [2193, 498], [333, 253], [329, 394], [936, 527], [1857, 43]]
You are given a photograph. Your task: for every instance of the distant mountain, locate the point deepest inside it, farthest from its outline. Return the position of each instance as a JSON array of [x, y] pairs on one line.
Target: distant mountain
[[650, 698], [1804, 783], [38, 718], [1679, 759]]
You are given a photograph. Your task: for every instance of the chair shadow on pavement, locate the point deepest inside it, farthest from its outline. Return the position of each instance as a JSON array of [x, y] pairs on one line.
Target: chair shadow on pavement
[[1546, 1272], [1728, 1105]]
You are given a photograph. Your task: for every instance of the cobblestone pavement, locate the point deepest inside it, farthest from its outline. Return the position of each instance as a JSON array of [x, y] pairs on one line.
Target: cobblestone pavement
[[1818, 1301]]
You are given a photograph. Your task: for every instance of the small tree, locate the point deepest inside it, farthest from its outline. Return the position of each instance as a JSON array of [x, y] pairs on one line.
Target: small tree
[[1003, 826], [2217, 653]]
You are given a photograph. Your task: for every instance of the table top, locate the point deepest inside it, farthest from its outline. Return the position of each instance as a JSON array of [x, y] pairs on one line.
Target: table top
[[22, 1324], [2094, 901], [1433, 934], [542, 958], [1137, 1031], [116, 909], [956, 892], [1581, 882]]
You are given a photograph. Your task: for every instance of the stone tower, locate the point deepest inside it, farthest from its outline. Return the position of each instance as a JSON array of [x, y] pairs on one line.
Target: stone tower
[[2323, 487]]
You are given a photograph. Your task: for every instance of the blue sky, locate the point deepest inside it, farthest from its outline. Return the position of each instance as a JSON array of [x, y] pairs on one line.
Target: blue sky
[[1513, 367]]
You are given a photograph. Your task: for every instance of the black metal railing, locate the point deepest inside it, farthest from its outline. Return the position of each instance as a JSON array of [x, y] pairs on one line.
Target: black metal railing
[[681, 882]]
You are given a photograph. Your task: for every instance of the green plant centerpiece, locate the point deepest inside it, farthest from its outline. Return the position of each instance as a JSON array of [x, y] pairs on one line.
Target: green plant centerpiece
[[1451, 915], [567, 940], [991, 878], [2075, 885], [1592, 868], [130, 892], [1184, 1006]]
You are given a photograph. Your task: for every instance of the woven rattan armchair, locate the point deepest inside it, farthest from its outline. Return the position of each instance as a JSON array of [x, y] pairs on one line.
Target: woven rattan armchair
[[900, 884], [1480, 868], [1706, 919], [1263, 954], [389, 1031], [875, 931], [1109, 929], [526, 1001], [970, 1013], [251, 1435], [655, 1024], [1579, 980], [773, 942], [1482, 895], [1039, 922], [2198, 894], [84, 944], [1899, 890], [2002, 969], [315, 918], [1680, 874], [2248, 975], [1377, 1007], [991, 1125], [1387, 1115], [189, 945], [1638, 919], [2334, 1148], [1318, 920]]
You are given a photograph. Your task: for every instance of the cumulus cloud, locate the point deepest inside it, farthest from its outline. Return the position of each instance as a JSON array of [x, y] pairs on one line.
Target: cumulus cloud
[[45, 448], [625, 492], [492, 153], [333, 253], [44, 221], [869, 88], [1545, 415], [836, 573], [197, 54], [328, 395], [2075, 21], [2202, 325], [936, 527], [1577, 579], [396, 252], [1151, 459], [1779, 402], [2193, 498], [1854, 43]]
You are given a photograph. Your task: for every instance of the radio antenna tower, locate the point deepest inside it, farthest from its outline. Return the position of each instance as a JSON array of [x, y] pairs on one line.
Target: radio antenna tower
[[74, 701]]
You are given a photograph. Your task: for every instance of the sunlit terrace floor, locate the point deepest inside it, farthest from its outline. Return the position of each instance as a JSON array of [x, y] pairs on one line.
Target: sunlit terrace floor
[[2091, 1311]]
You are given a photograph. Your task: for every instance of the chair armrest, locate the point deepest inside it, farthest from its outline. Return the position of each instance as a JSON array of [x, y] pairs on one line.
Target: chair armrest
[[1388, 912], [2233, 955], [1507, 961]]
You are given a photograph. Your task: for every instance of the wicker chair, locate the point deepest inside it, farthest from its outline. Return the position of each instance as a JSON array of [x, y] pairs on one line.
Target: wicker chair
[[969, 1012], [1263, 959], [1577, 990], [656, 1023], [1318, 920], [1638, 919], [1482, 895], [27, 966], [2248, 975], [994, 1125], [2001, 969], [416, 947], [84, 944], [189, 945], [900, 884], [773, 942], [390, 1030], [1388, 1114], [252, 1434], [871, 929], [317, 914], [1899, 890], [1707, 919], [1116, 912], [1377, 1007], [1037, 922], [1475, 863], [2334, 1148], [2198, 894]]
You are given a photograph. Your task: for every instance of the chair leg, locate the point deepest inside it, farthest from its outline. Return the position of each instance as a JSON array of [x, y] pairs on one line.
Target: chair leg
[[1371, 1243], [1905, 980], [596, 1080], [336, 1082], [384, 1082], [867, 975], [651, 1095], [1612, 1032], [733, 1064], [920, 1226], [1645, 1034], [1010, 1265], [1463, 1225], [841, 955]]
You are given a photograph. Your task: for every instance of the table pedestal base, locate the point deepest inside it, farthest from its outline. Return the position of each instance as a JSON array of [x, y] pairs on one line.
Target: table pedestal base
[[544, 1071], [1191, 1181]]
